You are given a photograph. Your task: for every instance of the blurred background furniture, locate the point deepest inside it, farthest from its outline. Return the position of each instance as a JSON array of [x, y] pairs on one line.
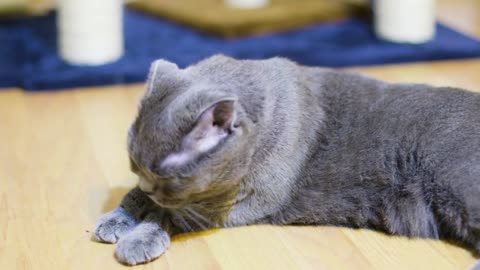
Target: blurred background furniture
[[217, 18], [90, 32], [30, 52], [246, 3], [25, 7], [406, 21]]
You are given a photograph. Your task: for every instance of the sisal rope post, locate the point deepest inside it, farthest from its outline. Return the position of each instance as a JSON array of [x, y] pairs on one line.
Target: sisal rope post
[[90, 32], [405, 21]]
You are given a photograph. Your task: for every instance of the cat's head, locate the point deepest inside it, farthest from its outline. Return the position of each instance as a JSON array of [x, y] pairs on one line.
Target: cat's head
[[190, 139]]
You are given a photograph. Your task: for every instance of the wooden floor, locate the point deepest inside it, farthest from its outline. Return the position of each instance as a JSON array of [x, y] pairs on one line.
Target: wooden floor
[[63, 163]]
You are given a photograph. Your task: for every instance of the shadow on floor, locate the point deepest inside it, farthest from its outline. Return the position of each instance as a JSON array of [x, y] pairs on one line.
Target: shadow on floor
[[116, 194], [114, 197]]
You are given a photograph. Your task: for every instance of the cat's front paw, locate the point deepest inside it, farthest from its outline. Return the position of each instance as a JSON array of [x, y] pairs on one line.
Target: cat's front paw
[[145, 243], [113, 225]]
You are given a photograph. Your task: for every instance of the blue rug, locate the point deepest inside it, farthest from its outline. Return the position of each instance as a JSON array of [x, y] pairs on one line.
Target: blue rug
[[28, 50]]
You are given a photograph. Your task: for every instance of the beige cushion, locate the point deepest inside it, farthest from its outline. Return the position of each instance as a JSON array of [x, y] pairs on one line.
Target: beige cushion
[[214, 17], [25, 7]]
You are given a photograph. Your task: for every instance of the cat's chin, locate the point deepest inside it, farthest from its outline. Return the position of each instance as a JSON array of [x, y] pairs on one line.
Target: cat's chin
[[169, 204]]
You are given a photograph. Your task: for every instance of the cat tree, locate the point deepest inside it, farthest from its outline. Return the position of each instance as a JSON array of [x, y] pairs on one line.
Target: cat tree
[[90, 32], [405, 21]]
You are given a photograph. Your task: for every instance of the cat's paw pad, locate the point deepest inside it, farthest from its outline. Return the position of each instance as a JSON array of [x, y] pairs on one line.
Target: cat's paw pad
[[145, 243], [113, 225]]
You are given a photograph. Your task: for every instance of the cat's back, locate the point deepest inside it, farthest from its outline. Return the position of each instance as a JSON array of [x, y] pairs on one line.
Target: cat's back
[[371, 108], [377, 130]]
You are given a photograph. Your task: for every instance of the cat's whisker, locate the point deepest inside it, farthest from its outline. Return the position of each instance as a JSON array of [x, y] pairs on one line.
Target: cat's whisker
[[198, 215], [192, 218], [184, 222]]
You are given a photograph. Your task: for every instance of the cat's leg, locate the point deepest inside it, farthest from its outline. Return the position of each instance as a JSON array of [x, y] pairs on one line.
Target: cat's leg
[[474, 222], [146, 242], [458, 203], [470, 190], [113, 225]]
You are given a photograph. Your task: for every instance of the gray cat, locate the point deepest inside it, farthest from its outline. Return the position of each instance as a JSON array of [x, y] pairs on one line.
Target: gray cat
[[229, 143]]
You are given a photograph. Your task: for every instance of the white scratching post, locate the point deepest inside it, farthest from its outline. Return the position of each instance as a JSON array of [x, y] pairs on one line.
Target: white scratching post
[[246, 4], [90, 32], [405, 21]]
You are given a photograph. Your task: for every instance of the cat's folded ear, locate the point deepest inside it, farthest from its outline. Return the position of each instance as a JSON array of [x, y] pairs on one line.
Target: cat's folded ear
[[215, 123], [159, 70]]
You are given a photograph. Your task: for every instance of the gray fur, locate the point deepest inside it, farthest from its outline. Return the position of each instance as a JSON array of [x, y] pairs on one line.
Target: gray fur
[[145, 243], [114, 224], [296, 145]]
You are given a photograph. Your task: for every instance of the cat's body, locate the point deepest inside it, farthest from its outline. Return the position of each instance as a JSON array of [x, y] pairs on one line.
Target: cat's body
[[230, 143]]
